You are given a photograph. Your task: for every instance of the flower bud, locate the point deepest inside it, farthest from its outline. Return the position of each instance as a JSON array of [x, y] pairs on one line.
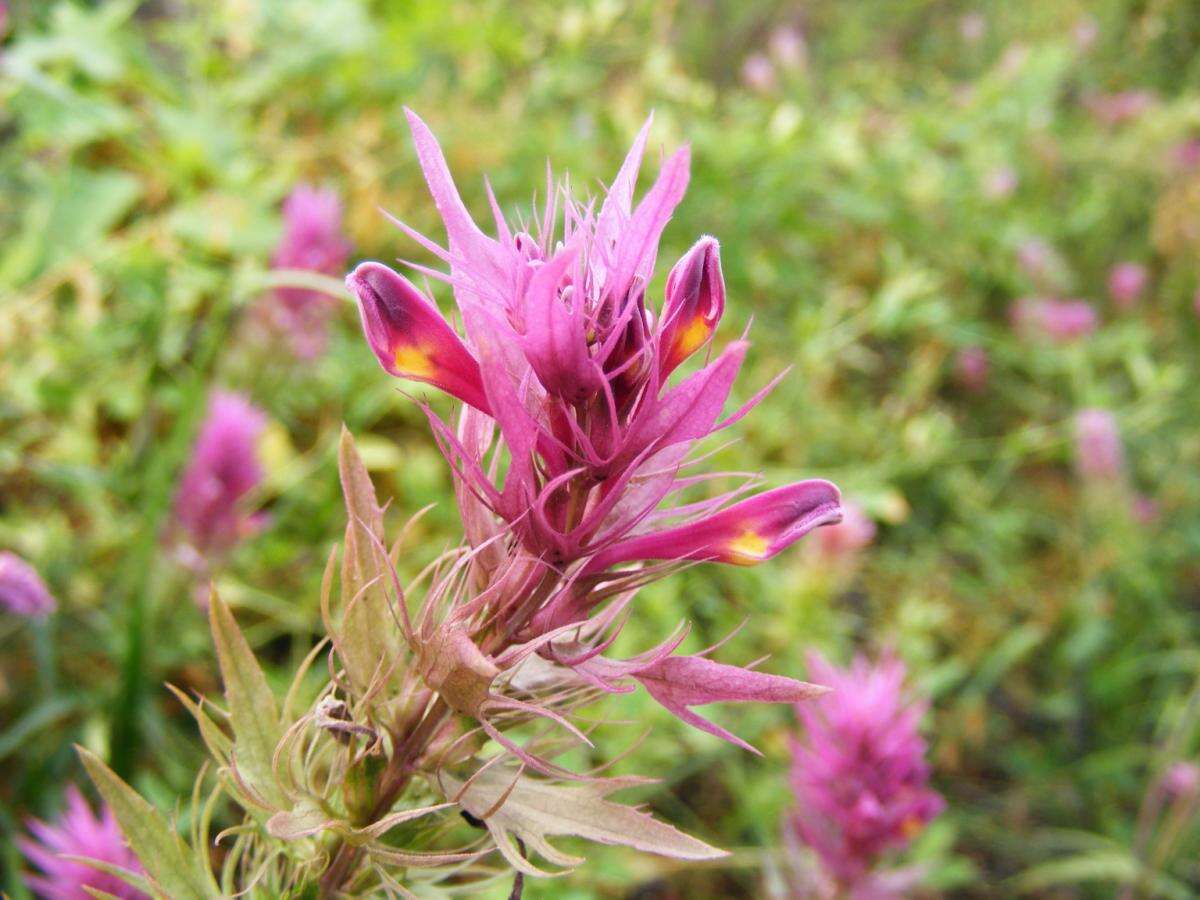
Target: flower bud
[[409, 336], [694, 304]]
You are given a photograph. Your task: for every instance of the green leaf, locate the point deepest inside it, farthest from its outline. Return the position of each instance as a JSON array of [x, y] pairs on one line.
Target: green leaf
[[511, 804], [252, 710], [166, 858], [368, 631]]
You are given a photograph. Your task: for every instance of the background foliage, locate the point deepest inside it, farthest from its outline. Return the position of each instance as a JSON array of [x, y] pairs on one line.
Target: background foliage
[[144, 151]]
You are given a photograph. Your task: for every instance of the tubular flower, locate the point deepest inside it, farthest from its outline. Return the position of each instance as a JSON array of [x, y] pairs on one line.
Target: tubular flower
[[567, 372], [313, 241], [1126, 283], [860, 778], [78, 832], [223, 469]]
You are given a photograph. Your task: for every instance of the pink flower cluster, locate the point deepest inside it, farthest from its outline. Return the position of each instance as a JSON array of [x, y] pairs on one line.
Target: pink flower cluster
[[22, 590], [78, 832], [571, 453], [224, 468], [312, 240], [860, 777]]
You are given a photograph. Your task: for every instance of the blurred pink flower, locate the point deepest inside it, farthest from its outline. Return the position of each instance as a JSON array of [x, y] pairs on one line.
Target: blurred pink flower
[[860, 779], [1182, 779], [1000, 183], [1039, 261], [78, 832], [313, 241], [1085, 32], [1119, 108], [223, 469], [1099, 454], [855, 531], [1059, 320], [788, 48], [971, 368], [1145, 510], [1126, 282], [1186, 154], [972, 27], [758, 73], [22, 590]]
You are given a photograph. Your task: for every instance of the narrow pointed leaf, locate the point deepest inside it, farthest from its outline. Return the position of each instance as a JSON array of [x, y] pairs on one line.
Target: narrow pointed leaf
[[167, 859]]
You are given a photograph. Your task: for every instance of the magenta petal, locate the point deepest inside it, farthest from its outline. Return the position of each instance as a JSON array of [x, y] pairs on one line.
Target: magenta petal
[[555, 340], [745, 534], [639, 242], [409, 336], [694, 303], [678, 682]]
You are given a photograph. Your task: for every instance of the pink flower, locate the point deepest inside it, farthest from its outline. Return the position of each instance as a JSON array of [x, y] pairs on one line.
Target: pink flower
[[1117, 109], [1099, 454], [1039, 261], [1145, 509], [1059, 320], [577, 424], [972, 27], [313, 241], [1182, 779], [788, 48], [1085, 32], [860, 777], [1000, 183], [758, 73], [971, 368], [78, 832], [1126, 282], [1186, 155], [223, 469], [22, 590], [855, 531]]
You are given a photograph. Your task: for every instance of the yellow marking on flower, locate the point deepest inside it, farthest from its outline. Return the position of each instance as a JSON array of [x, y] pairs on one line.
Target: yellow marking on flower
[[690, 339], [747, 549], [414, 362], [911, 827]]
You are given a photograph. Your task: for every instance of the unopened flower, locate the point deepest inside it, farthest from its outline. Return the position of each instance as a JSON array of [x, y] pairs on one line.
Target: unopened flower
[[971, 368], [758, 73], [312, 241], [224, 468], [1126, 282], [1145, 510], [859, 776], [1182, 779], [22, 590], [1059, 320], [1099, 454], [855, 531], [78, 832]]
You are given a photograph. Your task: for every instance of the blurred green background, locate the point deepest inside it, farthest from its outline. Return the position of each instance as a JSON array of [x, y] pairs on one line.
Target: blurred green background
[[876, 175]]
